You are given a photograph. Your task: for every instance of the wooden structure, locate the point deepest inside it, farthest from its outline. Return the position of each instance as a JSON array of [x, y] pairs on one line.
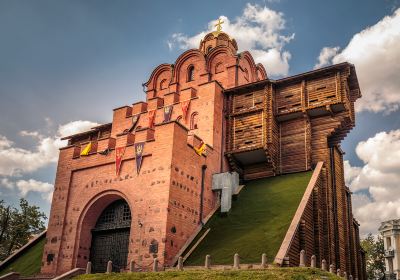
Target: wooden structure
[[289, 125]]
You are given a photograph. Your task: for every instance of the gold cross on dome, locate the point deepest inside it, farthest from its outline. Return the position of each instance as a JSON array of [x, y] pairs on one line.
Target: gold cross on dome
[[219, 25]]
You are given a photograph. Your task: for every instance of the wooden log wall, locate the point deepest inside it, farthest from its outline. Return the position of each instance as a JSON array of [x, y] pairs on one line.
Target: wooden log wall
[[289, 97], [295, 145], [308, 235], [341, 202], [248, 100], [322, 90], [248, 120], [306, 117], [248, 130], [272, 128]]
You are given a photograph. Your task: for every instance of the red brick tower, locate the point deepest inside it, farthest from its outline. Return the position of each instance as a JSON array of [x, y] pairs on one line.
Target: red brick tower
[[157, 210]]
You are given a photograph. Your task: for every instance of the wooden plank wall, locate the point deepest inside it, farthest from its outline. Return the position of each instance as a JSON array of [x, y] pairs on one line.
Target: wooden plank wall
[[295, 145], [272, 127], [322, 90], [248, 100], [248, 130], [307, 232], [288, 97]]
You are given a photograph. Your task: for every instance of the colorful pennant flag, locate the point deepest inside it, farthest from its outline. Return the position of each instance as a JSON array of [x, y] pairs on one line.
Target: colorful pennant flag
[[168, 113], [139, 147], [87, 149], [119, 153], [152, 116], [185, 108], [201, 150]]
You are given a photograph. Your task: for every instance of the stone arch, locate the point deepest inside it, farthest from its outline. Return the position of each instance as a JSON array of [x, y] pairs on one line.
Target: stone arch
[[246, 74], [252, 69], [261, 72], [214, 53], [194, 120], [87, 221], [185, 58], [163, 84], [190, 73], [219, 67], [151, 84]]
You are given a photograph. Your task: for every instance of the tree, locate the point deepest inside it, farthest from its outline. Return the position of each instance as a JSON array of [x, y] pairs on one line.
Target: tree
[[375, 256], [18, 225]]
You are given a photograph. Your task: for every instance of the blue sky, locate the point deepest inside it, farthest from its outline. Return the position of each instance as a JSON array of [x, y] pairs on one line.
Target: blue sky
[[64, 65]]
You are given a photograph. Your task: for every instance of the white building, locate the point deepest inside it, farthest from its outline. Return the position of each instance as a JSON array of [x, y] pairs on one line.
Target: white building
[[390, 231]]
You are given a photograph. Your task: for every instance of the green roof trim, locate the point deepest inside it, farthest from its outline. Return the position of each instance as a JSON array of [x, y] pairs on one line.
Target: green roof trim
[[256, 224]]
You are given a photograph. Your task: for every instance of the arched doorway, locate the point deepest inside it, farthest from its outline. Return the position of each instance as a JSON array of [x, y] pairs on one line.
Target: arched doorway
[[110, 237]]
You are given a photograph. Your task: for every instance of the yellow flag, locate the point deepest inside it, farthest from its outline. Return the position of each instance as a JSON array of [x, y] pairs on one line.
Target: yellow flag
[[87, 149], [201, 150]]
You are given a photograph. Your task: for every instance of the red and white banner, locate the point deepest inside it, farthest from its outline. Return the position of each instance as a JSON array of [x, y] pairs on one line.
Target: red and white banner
[[119, 153], [152, 116], [185, 108]]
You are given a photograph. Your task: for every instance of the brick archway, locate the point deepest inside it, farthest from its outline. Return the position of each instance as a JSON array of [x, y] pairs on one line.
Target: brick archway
[[87, 221]]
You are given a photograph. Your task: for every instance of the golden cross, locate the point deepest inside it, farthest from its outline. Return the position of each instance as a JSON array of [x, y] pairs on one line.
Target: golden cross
[[219, 25]]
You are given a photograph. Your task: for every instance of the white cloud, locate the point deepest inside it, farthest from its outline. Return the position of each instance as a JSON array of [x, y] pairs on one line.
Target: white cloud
[[375, 53], [279, 60], [325, 57], [15, 161], [75, 127], [33, 134], [31, 185], [376, 185], [7, 183], [258, 30], [4, 142]]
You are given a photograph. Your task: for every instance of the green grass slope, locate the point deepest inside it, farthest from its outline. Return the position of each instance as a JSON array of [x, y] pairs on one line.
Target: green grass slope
[[257, 222], [28, 264], [272, 274]]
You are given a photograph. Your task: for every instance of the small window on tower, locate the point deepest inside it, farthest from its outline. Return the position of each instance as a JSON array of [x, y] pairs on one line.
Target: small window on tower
[[194, 121], [209, 49], [219, 67], [163, 84], [190, 73]]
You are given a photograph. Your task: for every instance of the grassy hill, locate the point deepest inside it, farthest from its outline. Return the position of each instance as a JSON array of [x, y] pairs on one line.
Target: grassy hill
[[256, 224], [28, 263], [271, 273]]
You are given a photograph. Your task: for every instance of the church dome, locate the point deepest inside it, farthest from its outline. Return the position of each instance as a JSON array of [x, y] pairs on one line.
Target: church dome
[[215, 39]]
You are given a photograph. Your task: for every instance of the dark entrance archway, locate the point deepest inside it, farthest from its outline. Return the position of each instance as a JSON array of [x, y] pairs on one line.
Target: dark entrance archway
[[110, 237]]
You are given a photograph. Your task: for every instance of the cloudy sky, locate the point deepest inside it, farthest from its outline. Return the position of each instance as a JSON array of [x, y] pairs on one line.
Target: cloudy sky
[[64, 65]]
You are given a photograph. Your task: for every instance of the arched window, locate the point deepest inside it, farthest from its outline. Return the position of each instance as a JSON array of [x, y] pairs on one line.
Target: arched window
[[179, 119], [219, 67], [190, 73], [194, 118], [163, 84], [209, 49]]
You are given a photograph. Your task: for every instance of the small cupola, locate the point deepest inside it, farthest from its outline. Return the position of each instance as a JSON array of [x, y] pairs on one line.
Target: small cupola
[[217, 38]]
